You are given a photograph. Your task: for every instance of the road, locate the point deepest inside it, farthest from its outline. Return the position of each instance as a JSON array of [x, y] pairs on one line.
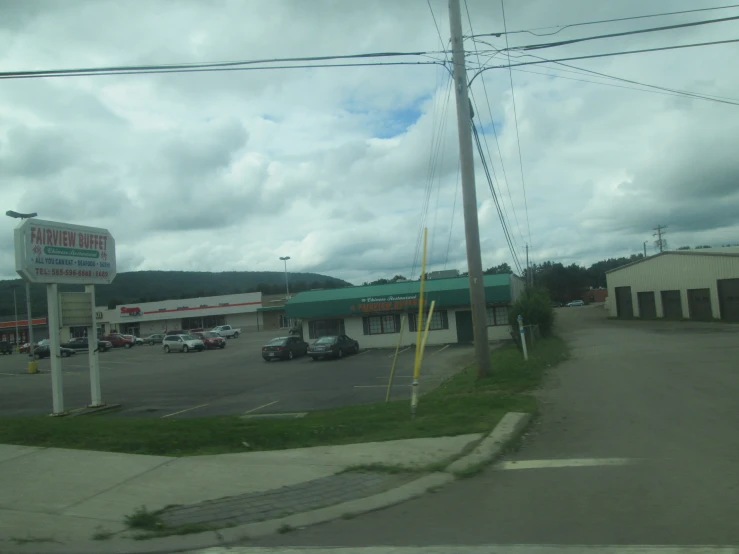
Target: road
[[637, 444], [149, 383]]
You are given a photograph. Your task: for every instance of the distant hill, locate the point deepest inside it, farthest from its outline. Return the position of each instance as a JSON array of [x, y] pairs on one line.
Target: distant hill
[[152, 286]]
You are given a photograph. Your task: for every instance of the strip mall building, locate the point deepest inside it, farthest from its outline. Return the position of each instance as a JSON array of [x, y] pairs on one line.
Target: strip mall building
[[372, 314]]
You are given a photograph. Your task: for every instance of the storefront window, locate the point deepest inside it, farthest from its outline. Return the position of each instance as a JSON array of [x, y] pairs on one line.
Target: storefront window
[[497, 315], [381, 324], [75, 332], [287, 322], [439, 320], [325, 327]]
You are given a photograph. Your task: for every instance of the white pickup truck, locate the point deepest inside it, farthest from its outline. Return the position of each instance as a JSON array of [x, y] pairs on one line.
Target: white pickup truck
[[227, 331]]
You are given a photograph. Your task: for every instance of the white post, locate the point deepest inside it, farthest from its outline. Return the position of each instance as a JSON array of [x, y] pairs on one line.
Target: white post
[[29, 317], [523, 337], [57, 387], [92, 343]]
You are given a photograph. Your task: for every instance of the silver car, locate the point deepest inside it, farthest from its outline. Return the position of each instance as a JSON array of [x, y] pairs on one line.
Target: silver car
[[182, 343]]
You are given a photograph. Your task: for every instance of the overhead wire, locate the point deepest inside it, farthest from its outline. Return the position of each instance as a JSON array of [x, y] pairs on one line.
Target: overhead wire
[[630, 18], [454, 211], [518, 135], [621, 34], [495, 134]]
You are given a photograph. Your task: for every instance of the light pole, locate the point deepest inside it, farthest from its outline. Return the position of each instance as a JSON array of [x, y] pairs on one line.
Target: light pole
[[287, 287], [15, 306], [29, 317], [645, 248]]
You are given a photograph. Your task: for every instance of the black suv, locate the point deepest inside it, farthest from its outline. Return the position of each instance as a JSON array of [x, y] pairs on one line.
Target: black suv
[[5, 347]]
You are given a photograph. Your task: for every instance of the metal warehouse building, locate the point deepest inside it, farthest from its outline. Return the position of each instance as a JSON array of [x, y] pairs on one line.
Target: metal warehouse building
[[372, 314], [684, 284]]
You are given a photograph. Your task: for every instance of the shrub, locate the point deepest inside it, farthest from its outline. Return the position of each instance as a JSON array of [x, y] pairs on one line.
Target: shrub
[[536, 308]]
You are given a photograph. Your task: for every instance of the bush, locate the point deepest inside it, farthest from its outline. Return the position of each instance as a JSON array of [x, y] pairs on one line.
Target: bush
[[536, 308]]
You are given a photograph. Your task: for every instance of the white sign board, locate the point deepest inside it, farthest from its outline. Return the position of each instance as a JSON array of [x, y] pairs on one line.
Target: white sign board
[[60, 253], [75, 309]]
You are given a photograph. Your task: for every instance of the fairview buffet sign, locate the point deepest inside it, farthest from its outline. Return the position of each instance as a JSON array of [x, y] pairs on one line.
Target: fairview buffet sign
[[386, 304]]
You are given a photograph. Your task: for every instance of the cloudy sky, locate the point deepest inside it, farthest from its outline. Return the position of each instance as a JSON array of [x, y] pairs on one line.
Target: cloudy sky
[[230, 170]]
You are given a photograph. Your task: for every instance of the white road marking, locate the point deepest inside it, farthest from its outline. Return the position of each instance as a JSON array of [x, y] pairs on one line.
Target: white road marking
[[378, 386], [11, 374], [260, 407], [364, 351], [572, 462], [397, 377], [440, 349], [399, 352], [183, 411], [479, 549]]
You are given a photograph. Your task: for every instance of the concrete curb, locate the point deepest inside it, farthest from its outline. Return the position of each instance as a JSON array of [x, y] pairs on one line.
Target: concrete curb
[[509, 428]]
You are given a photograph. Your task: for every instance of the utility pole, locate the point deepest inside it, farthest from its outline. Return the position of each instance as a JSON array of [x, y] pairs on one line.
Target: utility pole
[[645, 248], [528, 271], [15, 304], [660, 242], [469, 196]]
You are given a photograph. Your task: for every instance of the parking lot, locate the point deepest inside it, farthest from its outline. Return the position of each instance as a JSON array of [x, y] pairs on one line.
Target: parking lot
[[146, 382]]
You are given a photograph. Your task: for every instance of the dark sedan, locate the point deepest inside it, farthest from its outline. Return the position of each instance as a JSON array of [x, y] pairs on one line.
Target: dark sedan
[[81, 343], [43, 351], [336, 346], [284, 348]]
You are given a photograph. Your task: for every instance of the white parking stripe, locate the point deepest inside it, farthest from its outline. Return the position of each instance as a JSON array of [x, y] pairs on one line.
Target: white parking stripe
[[440, 349], [364, 351], [573, 462], [260, 407], [183, 411], [378, 386], [400, 352], [478, 549]]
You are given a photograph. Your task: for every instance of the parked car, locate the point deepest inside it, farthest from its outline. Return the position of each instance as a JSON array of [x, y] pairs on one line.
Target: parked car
[[44, 351], [5, 347], [284, 348], [575, 303], [154, 339], [227, 331], [82, 343], [25, 348], [118, 340], [210, 339], [336, 346], [136, 340], [182, 343]]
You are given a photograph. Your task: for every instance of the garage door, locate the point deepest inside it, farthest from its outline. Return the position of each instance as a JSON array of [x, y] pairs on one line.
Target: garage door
[[728, 299], [699, 304], [672, 305], [624, 307], [647, 307]]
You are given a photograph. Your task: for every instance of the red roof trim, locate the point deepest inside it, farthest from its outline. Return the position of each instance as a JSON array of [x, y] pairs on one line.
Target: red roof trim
[[200, 308], [22, 323]]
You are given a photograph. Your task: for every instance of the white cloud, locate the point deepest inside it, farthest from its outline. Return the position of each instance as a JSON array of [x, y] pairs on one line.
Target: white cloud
[[222, 171]]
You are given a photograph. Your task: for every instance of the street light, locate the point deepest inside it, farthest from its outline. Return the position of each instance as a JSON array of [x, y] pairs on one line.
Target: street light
[[15, 305], [16, 215], [287, 287]]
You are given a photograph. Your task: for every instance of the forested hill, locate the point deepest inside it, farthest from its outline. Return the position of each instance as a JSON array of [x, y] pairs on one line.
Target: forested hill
[[151, 286]]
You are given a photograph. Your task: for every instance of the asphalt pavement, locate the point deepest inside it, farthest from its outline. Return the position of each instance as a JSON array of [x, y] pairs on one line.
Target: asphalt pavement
[[146, 382], [637, 444]]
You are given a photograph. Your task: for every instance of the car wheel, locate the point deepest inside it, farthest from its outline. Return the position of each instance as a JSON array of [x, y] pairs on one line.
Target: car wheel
[[223, 345], [166, 349], [127, 345], [266, 360], [340, 354], [151, 343], [36, 357], [356, 348], [185, 349], [314, 358], [289, 354], [236, 335]]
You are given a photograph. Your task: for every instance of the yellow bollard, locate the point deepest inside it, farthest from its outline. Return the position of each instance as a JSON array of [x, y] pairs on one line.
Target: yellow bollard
[[33, 367]]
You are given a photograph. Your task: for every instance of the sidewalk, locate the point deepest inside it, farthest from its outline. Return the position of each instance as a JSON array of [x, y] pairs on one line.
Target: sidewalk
[[55, 498]]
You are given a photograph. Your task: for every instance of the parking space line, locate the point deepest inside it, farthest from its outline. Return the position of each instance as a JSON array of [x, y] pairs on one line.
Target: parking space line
[[364, 351], [378, 386], [439, 350], [183, 411], [400, 352], [260, 407], [397, 377]]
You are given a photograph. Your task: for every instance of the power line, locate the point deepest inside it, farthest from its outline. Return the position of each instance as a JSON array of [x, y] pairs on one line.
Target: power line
[[454, 209], [518, 136], [495, 133], [631, 18], [622, 34], [605, 55]]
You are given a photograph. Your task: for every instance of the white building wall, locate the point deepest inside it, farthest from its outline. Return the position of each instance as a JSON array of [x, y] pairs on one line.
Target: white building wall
[[246, 322], [517, 287], [499, 332], [673, 271]]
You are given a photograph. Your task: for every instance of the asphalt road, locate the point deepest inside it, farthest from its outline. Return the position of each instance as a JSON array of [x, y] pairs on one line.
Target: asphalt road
[[637, 444], [149, 383]]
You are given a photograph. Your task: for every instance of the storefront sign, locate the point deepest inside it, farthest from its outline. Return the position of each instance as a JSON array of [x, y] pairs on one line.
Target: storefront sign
[[53, 252], [130, 311], [387, 304]]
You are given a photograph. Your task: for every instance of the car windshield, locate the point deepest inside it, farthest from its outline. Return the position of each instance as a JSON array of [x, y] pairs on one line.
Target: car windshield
[[277, 341], [326, 340]]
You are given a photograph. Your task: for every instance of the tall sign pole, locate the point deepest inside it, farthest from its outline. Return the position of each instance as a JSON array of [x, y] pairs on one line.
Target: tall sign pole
[[469, 195]]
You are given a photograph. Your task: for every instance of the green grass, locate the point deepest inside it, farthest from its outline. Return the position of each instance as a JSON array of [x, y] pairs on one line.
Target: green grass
[[463, 404]]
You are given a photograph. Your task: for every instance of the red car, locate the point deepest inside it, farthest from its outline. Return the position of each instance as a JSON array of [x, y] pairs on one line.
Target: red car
[[211, 339], [118, 340]]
